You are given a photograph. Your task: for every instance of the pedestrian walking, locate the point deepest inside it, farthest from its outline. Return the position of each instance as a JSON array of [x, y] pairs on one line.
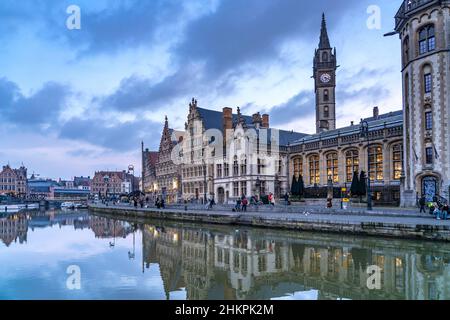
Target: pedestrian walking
[[286, 198]]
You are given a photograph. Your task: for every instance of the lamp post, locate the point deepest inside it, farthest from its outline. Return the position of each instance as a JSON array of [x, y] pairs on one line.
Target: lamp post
[[364, 131], [106, 180]]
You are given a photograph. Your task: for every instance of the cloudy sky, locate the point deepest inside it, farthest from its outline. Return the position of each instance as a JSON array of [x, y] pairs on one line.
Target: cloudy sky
[[76, 101]]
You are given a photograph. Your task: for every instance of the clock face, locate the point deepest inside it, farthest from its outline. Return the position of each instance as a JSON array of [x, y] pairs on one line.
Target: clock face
[[325, 78]]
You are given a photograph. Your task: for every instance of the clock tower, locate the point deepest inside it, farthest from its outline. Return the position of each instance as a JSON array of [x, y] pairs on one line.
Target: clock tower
[[325, 82]]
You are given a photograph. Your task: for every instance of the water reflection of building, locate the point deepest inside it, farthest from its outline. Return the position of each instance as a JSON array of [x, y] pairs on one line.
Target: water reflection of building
[[249, 265], [163, 247], [13, 228], [108, 228]]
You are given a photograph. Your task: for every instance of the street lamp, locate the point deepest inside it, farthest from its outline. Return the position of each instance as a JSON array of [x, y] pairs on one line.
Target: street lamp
[[364, 132], [204, 181]]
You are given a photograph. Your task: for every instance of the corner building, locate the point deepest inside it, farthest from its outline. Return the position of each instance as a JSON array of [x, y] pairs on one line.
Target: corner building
[[424, 30]]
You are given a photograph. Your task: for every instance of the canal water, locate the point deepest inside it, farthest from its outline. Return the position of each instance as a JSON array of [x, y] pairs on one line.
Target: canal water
[[75, 255]]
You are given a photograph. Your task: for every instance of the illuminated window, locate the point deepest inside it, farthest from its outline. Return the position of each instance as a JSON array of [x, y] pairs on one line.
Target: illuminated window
[[298, 166], [397, 157], [351, 164], [332, 166], [376, 163], [314, 169]]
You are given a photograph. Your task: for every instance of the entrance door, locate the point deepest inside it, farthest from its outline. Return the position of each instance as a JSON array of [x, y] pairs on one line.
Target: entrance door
[[221, 195], [429, 187]]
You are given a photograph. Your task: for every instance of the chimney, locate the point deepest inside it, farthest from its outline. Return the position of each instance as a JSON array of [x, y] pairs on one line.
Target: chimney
[[376, 112], [227, 119], [256, 120], [265, 121], [227, 123]]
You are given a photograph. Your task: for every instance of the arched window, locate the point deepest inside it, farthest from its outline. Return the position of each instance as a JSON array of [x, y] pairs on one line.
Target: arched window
[[298, 166], [376, 163], [406, 50], [427, 39], [351, 164], [332, 166], [314, 169], [397, 159], [325, 57], [326, 112], [326, 95]]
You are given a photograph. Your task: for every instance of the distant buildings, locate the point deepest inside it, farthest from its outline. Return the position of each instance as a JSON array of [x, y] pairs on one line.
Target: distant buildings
[[114, 183], [13, 181]]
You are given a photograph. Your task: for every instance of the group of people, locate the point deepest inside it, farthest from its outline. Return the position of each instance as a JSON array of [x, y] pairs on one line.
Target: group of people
[[438, 209], [243, 202]]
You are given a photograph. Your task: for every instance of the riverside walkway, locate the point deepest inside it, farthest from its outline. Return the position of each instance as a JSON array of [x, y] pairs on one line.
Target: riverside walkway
[[395, 222]]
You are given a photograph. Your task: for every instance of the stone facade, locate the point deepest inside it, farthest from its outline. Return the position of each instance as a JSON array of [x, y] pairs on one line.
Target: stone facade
[[13, 181], [336, 154], [168, 175], [226, 156], [424, 30], [325, 82]]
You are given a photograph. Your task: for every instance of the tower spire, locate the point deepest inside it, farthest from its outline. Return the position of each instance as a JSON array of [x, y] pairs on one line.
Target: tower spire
[[324, 40]]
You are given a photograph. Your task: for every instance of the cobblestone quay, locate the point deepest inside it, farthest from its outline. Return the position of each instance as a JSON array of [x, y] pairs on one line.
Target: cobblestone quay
[[407, 225]]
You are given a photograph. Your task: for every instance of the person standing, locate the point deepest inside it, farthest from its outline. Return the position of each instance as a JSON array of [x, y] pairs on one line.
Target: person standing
[[422, 202], [244, 204]]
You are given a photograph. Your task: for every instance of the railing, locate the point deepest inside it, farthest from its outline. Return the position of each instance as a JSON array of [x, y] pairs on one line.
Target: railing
[[408, 6]]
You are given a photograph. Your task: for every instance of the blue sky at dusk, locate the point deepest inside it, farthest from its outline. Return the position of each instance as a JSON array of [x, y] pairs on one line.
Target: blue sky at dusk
[[76, 101]]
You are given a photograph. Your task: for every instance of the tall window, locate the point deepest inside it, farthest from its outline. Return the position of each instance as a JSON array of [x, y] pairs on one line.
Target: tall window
[[428, 120], [244, 188], [429, 155], [325, 57], [236, 189], [226, 169], [326, 95], [397, 158], [235, 167], [314, 169], [376, 163], [260, 166], [406, 50], [298, 166], [332, 166], [326, 112], [219, 171], [244, 167], [427, 39], [428, 82], [351, 164]]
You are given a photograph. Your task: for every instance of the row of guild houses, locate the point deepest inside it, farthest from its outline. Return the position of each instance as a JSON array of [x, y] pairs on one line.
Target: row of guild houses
[[406, 153]]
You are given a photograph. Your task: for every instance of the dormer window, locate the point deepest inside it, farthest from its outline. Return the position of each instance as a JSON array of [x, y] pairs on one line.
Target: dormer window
[[427, 39]]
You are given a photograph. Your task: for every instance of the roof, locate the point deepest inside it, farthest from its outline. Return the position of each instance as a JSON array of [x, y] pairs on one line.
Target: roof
[[214, 119], [388, 120]]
